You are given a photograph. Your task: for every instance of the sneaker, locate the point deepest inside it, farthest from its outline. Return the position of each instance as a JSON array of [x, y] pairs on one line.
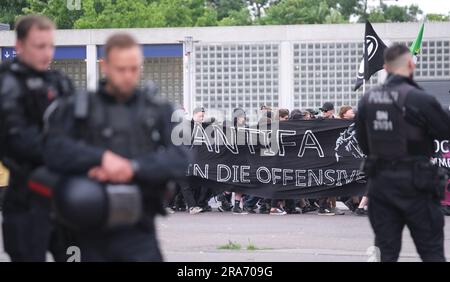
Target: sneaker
[[224, 208], [264, 210], [223, 197], [169, 210], [445, 210], [206, 208], [360, 212], [337, 211], [238, 210], [277, 211], [350, 205], [180, 208], [249, 209], [324, 211], [316, 204], [195, 210], [292, 211], [309, 209]]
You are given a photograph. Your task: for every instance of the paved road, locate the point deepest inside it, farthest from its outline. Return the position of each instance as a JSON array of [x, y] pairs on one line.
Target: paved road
[[279, 238], [306, 237]]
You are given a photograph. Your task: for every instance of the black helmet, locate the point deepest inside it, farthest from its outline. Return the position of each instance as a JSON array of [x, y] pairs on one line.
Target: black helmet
[[81, 203]]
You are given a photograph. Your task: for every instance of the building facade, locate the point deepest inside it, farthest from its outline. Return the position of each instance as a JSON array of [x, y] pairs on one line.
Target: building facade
[[221, 68]]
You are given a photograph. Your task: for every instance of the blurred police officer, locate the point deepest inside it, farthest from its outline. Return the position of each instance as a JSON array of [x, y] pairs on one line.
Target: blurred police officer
[[27, 87], [396, 125], [123, 139]]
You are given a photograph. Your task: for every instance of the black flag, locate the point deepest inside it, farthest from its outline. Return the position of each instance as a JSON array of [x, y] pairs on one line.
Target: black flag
[[372, 60]]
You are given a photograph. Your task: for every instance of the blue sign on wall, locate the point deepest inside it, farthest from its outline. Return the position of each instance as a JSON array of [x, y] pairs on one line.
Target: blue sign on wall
[[61, 53], [154, 50], [8, 53], [79, 52]]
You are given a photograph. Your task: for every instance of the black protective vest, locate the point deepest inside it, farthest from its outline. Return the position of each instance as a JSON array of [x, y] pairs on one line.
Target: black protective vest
[[24, 88], [128, 129], [38, 89], [388, 131]]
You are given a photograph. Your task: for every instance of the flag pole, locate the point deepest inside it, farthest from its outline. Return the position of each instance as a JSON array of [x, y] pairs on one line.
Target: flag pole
[[365, 59]]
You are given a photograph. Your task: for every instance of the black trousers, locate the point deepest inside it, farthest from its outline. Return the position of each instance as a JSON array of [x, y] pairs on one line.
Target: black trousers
[[2, 195], [28, 230], [28, 235], [126, 244], [194, 194], [394, 203]]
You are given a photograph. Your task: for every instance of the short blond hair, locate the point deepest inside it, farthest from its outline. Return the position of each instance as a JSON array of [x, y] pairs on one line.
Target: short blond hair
[[120, 41], [25, 23]]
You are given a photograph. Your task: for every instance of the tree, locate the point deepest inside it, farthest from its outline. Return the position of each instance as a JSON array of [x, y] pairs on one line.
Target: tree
[[145, 13], [414, 11], [57, 10], [258, 7], [437, 17], [181, 13], [224, 8], [297, 12], [391, 13], [362, 10], [335, 17], [237, 18], [208, 18], [401, 14], [376, 16], [10, 10], [346, 8], [120, 13]]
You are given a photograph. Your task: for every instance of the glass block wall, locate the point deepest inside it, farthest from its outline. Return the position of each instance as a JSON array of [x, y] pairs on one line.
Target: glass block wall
[[326, 72], [74, 69], [243, 75], [434, 60], [167, 73]]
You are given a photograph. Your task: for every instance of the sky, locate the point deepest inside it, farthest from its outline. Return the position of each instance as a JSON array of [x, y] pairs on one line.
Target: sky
[[427, 6]]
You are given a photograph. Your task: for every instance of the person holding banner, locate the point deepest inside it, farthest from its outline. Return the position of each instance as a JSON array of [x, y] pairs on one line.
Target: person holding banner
[[396, 125], [193, 192], [328, 206], [239, 120], [354, 204]]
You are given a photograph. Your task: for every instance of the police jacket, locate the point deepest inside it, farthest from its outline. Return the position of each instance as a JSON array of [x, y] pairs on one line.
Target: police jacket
[[138, 129], [399, 120], [25, 95]]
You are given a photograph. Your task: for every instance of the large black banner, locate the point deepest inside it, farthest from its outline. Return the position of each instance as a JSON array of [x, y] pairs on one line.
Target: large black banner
[[290, 159]]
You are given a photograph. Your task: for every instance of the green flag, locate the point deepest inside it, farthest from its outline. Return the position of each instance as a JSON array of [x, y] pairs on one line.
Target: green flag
[[416, 45]]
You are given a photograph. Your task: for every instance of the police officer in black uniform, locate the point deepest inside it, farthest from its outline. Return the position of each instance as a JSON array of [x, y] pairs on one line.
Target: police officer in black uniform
[[27, 88], [396, 125], [119, 136]]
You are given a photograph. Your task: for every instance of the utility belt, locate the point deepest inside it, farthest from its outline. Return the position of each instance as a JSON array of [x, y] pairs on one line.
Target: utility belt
[[426, 177], [19, 195], [84, 204], [16, 167]]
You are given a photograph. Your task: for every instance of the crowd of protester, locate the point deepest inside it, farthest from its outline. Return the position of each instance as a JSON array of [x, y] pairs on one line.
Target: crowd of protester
[[194, 198]]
